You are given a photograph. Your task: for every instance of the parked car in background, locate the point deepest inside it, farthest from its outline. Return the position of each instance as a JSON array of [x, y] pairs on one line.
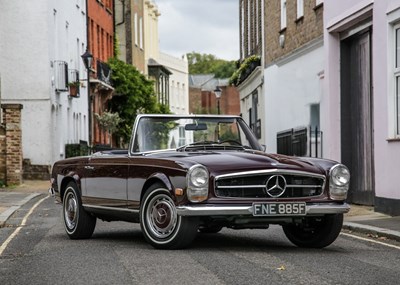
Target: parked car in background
[[184, 175]]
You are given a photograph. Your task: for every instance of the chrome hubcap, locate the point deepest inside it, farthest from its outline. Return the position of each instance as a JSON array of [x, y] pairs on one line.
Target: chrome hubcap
[[70, 210], [161, 216]]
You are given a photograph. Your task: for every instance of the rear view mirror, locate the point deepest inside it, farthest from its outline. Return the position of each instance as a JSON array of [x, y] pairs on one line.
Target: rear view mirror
[[195, 127]]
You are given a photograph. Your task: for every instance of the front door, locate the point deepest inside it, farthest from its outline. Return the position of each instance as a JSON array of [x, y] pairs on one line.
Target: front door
[[356, 116], [105, 181]]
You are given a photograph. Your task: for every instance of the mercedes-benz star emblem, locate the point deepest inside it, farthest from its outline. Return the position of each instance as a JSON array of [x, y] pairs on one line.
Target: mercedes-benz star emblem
[[276, 186]]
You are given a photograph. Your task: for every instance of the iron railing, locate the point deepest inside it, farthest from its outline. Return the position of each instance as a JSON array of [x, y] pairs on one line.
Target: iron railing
[[304, 141]]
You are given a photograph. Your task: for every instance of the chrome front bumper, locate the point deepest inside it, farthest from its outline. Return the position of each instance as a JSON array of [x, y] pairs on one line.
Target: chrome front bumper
[[211, 210]]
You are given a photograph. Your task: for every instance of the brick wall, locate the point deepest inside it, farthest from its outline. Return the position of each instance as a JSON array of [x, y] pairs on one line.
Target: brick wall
[[205, 102], [2, 155], [12, 144], [298, 32], [195, 106]]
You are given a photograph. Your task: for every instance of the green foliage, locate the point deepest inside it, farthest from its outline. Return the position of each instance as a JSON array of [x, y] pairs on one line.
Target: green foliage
[[133, 94], [76, 149], [209, 64], [108, 121], [238, 73]]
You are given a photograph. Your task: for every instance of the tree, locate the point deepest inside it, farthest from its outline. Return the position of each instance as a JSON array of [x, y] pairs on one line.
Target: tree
[[209, 64], [133, 94], [109, 122]]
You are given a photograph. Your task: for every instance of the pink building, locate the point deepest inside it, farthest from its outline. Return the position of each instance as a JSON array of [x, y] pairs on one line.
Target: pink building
[[361, 102]]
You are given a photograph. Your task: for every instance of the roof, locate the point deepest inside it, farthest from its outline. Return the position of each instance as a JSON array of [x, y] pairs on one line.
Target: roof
[[206, 82]]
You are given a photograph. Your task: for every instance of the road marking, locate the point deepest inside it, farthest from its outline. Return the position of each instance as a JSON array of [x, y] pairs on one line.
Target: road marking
[[371, 240], [14, 234]]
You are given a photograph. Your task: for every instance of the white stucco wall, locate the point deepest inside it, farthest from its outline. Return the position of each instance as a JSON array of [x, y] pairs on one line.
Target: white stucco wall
[[178, 82], [290, 88], [33, 35], [386, 152]]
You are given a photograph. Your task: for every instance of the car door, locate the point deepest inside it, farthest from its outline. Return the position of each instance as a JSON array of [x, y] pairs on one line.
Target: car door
[[105, 181]]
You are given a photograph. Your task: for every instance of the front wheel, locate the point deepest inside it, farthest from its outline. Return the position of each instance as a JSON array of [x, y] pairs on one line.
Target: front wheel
[[162, 227], [77, 222], [316, 232]]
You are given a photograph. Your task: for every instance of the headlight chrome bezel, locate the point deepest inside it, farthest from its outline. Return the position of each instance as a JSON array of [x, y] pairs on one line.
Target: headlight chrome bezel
[[339, 181], [197, 180]]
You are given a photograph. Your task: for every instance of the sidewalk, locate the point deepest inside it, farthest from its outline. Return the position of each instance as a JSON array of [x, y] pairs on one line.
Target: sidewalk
[[360, 219], [11, 199]]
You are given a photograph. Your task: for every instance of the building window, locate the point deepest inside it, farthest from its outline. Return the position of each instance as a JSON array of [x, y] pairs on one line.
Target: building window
[[242, 33], [249, 14], [300, 9], [318, 2], [135, 22], [397, 80], [283, 14], [141, 32]]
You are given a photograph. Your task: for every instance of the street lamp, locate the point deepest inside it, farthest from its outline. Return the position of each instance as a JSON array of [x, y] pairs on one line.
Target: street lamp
[[217, 93], [87, 58]]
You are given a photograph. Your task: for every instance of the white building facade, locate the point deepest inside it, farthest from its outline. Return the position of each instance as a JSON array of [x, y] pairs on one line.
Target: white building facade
[[293, 92], [41, 43], [178, 82]]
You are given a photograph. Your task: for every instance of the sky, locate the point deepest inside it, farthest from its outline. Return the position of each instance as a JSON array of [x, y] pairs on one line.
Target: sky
[[202, 26]]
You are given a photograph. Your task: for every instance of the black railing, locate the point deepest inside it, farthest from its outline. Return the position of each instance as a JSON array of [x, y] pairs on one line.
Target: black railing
[[303, 141], [103, 72]]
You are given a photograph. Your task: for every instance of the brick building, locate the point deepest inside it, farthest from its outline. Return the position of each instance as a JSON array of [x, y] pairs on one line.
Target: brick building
[[202, 99], [129, 26], [101, 44]]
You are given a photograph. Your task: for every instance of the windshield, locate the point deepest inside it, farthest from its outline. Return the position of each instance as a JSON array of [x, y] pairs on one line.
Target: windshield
[[192, 133]]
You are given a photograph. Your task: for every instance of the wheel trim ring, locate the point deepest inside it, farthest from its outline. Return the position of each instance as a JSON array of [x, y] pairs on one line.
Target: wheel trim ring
[[70, 211], [161, 216]]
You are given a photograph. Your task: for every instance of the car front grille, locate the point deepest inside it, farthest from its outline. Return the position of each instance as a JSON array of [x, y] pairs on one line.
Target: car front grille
[[288, 184]]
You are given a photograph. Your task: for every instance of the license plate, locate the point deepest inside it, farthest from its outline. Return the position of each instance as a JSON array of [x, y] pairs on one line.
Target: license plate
[[279, 209]]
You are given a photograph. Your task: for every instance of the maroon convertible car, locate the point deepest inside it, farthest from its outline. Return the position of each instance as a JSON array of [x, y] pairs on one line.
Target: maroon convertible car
[[199, 173]]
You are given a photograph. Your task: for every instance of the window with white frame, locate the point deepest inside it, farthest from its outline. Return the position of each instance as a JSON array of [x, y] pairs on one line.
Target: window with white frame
[[141, 32], [397, 81], [283, 14], [135, 23], [300, 9], [317, 2]]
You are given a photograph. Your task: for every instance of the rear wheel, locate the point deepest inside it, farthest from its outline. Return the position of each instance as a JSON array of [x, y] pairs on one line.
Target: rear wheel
[[77, 222], [162, 227], [315, 232]]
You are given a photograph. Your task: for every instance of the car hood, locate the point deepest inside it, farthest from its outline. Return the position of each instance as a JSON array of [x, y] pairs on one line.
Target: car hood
[[219, 162]]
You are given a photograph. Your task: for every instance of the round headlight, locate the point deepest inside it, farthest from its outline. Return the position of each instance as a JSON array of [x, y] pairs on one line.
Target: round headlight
[[199, 176], [340, 175]]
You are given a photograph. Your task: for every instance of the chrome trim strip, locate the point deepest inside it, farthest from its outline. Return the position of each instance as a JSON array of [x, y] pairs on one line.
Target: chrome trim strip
[[244, 186], [269, 171], [88, 206], [263, 186], [209, 210]]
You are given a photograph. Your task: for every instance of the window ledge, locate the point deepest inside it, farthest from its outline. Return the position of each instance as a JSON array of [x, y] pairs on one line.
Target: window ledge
[[282, 30], [299, 20], [393, 140], [318, 6]]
